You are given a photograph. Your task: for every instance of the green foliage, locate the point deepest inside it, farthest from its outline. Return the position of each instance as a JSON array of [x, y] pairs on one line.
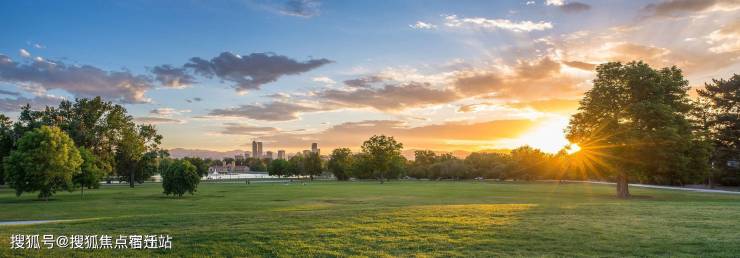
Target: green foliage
[[295, 166], [312, 165], [278, 167], [527, 163], [361, 167], [635, 118], [340, 163], [128, 154], [487, 165], [257, 165], [383, 154], [721, 121], [181, 177], [90, 171], [45, 160], [103, 128], [6, 142], [200, 163]]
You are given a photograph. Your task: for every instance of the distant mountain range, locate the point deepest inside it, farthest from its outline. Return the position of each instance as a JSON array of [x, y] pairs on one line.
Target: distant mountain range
[[181, 153], [409, 154]]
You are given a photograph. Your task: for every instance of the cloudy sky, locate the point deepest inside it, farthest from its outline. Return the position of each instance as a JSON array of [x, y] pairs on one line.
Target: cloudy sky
[[442, 75]]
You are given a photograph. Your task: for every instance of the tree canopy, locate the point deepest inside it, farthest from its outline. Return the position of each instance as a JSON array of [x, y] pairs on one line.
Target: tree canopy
[[181, 177], [45, 160], [90, 171], [382, 152], [340, 163], [722, 124], [634, 122]]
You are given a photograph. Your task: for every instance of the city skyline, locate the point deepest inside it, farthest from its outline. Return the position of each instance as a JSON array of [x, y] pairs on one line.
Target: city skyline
[[439, 75]]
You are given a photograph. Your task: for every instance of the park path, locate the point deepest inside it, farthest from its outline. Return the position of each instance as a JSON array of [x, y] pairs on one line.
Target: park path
[[27, 222], [656, 187]]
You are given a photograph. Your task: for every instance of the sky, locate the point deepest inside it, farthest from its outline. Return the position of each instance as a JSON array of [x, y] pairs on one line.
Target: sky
[[440, 75]]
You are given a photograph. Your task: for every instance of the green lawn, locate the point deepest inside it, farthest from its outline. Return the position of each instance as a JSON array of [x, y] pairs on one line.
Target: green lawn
[[393, 219]]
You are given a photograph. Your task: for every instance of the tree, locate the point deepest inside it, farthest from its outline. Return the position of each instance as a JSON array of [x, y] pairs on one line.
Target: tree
[[528, 163], [128, 154], [200, 164], [295, 166], [721, 121], [6, 142], [180, 178], [487, 165], [448, 168], [45, 160], [361, 166], [634, 121], [312, 165], [340, 163], [382, 152], [90, 171], [278, 167], [257, 165]]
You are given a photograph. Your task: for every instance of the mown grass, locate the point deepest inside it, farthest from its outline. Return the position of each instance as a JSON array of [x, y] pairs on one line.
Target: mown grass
[[425, 219]]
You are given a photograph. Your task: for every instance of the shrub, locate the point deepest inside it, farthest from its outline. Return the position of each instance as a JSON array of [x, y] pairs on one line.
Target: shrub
[[179, 178]]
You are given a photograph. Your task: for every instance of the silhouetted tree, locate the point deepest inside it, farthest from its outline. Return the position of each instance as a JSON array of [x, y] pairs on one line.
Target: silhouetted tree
[[634, 118]]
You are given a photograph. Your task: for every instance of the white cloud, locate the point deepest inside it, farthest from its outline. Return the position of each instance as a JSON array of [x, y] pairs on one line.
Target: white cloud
[[530, 3], [554, 2], [24, 53], [492, 24], [324, 80], [423, 25], [168, 111]]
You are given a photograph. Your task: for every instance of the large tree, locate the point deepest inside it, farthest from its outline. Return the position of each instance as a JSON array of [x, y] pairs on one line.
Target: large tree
[[721, 120], [45, 160], [383, 153], [128, 154], [340, 163], [634, 121]]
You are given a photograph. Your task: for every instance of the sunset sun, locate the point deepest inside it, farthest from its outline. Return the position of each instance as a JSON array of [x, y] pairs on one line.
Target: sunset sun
[[548, 137]]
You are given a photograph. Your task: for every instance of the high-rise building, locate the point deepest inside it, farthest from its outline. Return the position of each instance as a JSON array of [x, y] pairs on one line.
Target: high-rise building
[[281, 154], [259, 149], [314, 147], [247, 154], [254, 149], [268, 154]]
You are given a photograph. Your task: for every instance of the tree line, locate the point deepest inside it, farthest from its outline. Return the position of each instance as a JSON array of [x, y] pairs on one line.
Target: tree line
[[76, 145]]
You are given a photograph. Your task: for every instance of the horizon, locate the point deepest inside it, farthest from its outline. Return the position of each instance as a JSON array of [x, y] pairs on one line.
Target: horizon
[[436, 75]]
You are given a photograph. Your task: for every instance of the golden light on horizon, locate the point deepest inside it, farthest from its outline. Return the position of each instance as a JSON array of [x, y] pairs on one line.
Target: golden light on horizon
[[548, 137]]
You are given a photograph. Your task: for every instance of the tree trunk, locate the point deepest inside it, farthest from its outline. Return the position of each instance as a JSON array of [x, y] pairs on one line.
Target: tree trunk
[[131, 174], [622, 186]]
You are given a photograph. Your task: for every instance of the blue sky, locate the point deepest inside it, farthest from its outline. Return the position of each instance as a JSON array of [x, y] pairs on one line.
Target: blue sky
[[515, 68]]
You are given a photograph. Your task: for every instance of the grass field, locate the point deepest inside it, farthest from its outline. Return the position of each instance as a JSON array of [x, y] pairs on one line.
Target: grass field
[[392, 219]]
